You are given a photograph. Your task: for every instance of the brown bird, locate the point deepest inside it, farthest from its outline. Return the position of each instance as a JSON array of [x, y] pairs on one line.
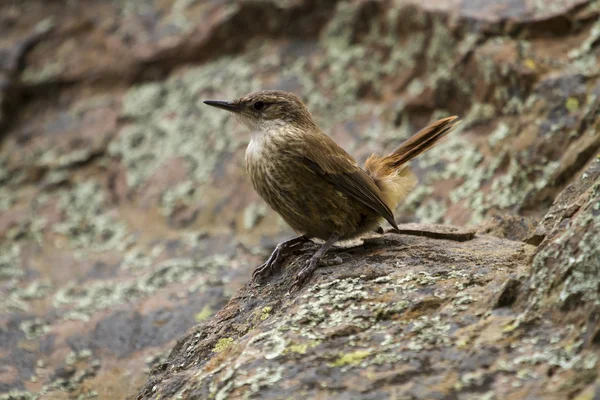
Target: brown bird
[[316, 187]]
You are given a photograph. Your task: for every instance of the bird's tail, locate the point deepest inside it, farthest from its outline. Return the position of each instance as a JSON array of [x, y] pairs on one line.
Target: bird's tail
[[392, 174]]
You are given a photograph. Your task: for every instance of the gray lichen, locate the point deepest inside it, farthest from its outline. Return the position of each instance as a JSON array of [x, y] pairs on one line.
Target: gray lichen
[[164, 126], [79, 302], [575, 257], [87, 225]]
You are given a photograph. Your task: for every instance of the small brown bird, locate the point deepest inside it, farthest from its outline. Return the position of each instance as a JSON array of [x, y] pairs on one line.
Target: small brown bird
[[316, 187]]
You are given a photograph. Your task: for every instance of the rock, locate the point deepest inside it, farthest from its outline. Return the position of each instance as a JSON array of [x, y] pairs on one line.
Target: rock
[[513, 227], [567, 263], [126, 217], [426, 316], [403, 314]]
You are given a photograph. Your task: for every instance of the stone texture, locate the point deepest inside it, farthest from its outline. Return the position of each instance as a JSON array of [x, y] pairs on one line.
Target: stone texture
[[126, 218], [406, 316]]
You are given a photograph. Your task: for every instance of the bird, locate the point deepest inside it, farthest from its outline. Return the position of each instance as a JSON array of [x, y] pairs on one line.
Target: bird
[[319, 189]]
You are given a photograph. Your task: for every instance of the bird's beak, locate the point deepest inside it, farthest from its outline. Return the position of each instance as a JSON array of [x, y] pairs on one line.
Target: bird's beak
[[225, 105]]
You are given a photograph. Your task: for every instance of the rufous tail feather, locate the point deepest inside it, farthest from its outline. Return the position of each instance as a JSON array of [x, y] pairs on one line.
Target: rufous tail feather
[[391, 173]]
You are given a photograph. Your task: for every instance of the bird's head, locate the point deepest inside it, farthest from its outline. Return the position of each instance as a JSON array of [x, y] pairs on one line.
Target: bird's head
[[267, 109]]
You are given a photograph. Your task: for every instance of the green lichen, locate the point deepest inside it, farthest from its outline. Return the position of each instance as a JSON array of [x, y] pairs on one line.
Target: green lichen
[[461, 156], [560, 351], [177, 19], [386, 311], [470, 379], [354, 358], [333, 306], [302, 348], [265, 313], [56, 177], [55, 158], [572, 104], [178, 16], [429, 331], [298, 348], [156, 359], [513, 187], [204, 314], [222, 344], [182, 193]]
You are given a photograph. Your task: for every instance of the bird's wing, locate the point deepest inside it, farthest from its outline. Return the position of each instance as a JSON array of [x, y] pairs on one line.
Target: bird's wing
[[329, 161]]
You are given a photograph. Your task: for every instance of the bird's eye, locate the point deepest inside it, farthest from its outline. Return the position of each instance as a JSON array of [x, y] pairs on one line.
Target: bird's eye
[[259, 105]]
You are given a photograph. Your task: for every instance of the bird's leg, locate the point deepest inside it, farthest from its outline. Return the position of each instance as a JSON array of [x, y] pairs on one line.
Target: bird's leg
[[280, 251], [313, 262]]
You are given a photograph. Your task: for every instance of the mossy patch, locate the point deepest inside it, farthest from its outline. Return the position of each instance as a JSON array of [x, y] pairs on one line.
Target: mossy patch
[[353, 358], [265, 312], [222, 344], [302, 348], [204, 314]]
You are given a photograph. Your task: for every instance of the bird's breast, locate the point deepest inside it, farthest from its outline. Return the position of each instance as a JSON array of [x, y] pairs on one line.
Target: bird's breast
[[261, 162], [255, 149], [254, 152]]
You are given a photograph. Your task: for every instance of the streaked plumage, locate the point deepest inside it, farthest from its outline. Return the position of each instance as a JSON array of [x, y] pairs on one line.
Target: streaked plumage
[[314, 184]]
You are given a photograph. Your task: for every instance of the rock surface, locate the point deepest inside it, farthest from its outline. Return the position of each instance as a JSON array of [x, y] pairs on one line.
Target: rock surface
[[126, 218], [438, 315]]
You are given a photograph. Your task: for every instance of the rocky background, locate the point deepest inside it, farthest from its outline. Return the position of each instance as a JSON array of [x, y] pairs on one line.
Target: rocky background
[[127, 222]]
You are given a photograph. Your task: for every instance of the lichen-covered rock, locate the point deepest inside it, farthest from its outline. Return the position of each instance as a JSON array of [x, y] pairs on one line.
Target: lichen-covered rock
[[566, 266], [413, 317], [403, 316], [126, 217]]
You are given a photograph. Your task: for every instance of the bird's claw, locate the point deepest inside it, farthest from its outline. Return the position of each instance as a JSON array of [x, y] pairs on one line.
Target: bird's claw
[[276, 256], [266, 269], [305, 273]]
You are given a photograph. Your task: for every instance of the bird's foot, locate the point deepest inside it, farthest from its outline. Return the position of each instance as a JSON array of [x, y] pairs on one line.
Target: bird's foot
[[282, 249], [311, 265]]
